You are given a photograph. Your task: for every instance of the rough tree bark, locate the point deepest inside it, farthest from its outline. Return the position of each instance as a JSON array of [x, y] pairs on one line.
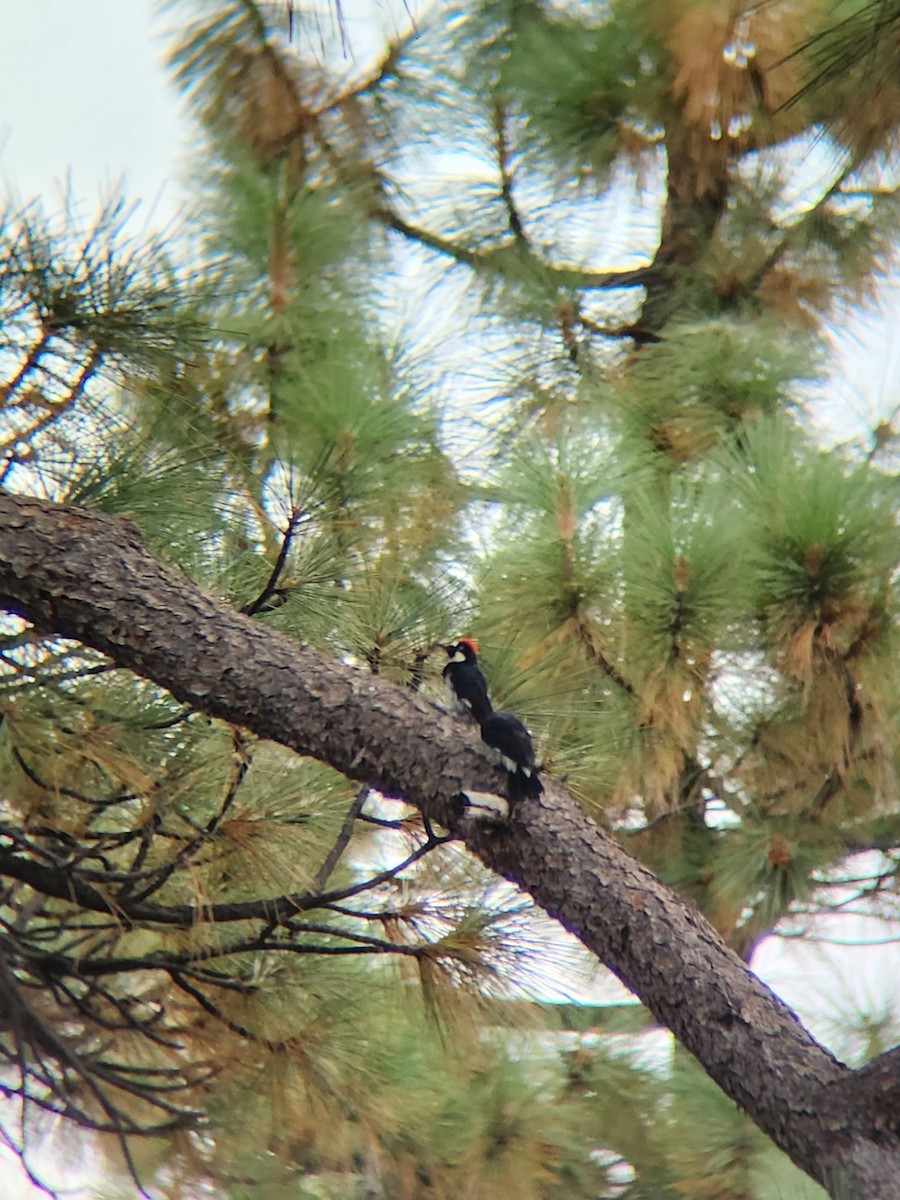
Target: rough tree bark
[[89, 577]]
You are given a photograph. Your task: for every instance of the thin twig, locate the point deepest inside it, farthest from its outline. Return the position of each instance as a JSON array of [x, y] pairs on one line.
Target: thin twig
[[271, 587], [343, 839]]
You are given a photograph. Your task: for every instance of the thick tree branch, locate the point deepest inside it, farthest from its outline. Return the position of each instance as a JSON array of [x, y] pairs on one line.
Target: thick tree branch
[[88, 577]]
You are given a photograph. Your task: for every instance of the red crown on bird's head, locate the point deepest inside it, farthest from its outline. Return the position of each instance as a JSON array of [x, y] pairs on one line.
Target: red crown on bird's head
[[470, 642]]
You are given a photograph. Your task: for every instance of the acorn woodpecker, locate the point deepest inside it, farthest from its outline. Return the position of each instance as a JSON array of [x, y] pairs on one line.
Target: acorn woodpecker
[[466, 682], [505, 734]]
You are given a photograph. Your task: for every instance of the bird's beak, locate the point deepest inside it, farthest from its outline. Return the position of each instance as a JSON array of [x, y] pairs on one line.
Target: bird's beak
[[440, 646]]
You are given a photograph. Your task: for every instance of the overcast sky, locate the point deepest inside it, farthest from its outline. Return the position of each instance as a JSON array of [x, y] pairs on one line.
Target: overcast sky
[[83, 91]]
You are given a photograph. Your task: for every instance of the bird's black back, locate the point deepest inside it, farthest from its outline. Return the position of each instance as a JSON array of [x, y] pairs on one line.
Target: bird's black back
[[505, 733], [467, 681]]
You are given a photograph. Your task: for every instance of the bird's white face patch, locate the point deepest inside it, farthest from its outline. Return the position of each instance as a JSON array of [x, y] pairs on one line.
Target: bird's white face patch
[[458, 657]]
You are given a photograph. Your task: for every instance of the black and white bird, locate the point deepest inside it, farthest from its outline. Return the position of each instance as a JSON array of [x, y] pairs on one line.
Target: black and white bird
[[510, 740], [467, 684]]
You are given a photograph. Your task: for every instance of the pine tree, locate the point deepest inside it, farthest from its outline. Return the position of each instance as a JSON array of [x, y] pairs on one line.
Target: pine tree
[[396, 388]]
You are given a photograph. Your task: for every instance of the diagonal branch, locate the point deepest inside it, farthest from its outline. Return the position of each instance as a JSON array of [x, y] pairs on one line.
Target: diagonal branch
[[271, 588], [343, 840], [87, 576], [497, 260]]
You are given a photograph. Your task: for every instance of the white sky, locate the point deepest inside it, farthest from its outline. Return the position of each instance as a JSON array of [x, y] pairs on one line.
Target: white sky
[[83, 90], [83, 93]]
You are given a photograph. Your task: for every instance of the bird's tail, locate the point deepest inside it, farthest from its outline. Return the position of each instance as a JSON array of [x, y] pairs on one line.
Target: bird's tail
[[524, 784]]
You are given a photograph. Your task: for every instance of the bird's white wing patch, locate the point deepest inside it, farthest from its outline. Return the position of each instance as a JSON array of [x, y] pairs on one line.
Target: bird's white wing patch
[[485, 806]]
